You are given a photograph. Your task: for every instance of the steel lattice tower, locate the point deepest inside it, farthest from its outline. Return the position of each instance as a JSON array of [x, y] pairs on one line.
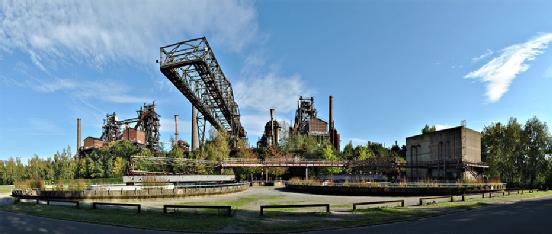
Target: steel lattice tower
[[193, 69]]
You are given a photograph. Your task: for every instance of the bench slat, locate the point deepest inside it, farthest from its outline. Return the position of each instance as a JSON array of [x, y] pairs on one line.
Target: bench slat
[[227, 208], [295, 206], [377, 202], [94, 204]]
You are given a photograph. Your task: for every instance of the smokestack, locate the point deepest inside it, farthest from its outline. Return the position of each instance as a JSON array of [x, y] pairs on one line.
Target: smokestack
[[78, 135], [331, 120], [175, 128], [273, 133], [195, 137]]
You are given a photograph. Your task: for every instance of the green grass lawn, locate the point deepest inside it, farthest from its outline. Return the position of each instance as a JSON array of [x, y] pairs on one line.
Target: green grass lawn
[[236, 203], [272, 221], [6, 188]]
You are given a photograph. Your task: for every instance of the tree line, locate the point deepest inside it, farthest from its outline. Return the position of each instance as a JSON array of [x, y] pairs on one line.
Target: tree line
[[112, 161], [515, 153], [518, 154]]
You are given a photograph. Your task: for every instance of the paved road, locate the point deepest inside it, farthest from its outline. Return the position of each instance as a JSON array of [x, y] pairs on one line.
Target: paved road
[[521, 217], [14, 223]]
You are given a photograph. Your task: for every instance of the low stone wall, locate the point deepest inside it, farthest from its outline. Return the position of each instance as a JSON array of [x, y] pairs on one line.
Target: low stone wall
[[129, 194], [363, 190]]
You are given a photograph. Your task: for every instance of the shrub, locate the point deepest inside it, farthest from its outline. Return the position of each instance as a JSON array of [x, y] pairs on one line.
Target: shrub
[[33, 183]]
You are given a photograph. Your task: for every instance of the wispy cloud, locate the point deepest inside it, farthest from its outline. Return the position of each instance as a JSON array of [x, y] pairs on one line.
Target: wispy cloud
[[442, 126], [271, 91], [502, 70], [263, 86], [98, 32], [261, 89], [357, 141], [105, 90], [41, 126], [485, 55], [167, 126]]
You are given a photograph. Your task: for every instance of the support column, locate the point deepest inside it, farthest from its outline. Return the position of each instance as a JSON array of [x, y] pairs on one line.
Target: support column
[[195, 138], [78, 137], [176, 129], [306, 173]]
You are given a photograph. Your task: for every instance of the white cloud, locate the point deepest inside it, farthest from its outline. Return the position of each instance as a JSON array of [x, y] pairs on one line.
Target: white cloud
[[255, 123], [41, 126], [502, 70], [98, 32], [270, 91], [442, 126], [167, 126], [262, 89], [485, 55], [357, 141], [105, 90]]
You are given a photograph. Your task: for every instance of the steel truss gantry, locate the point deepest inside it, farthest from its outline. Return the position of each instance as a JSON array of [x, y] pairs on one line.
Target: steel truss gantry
[[193, 69]]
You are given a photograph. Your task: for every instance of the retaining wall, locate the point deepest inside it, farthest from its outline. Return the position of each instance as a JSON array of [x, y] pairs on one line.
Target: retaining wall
[[129, 194], [393, 191]]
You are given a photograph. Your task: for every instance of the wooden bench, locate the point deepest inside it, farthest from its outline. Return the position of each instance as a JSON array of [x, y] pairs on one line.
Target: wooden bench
[[94, 204], [295, 206], [376, 202], [227, 208], [62, 201], [17, 199], [422, 199]]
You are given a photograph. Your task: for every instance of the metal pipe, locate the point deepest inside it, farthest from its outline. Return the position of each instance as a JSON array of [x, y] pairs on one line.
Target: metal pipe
[[195, 137], [331, 120], [176, 129], [78, 135], [272, 133]]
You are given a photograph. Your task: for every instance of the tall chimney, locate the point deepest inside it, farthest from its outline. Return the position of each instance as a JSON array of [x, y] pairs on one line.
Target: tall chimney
[[195, 137], [176, 129], [272, 132], [331, 120], [78, 135]]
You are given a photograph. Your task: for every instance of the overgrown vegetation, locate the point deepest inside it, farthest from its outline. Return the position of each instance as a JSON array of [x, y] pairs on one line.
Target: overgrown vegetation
[[517, 154]]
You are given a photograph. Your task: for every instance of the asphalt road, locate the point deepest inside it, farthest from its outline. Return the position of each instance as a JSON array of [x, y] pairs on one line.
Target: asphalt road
[[521, 217], [14, 223]]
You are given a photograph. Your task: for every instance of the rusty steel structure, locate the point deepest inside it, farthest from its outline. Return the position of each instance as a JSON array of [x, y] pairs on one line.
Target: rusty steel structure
[[306, 122], [271, 134], [193, 69], [147, 121]]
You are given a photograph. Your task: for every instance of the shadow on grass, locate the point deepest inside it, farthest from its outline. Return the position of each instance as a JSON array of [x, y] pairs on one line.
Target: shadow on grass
[[203, 220]]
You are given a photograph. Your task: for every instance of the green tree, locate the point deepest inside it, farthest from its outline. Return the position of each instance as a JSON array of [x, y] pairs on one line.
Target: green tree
[[536, 142], [119, 167], [428, 129], [362, 152], [348, 151], [328, 153]]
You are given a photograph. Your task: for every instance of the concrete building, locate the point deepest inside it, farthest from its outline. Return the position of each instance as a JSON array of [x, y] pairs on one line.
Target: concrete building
[[450, 154]]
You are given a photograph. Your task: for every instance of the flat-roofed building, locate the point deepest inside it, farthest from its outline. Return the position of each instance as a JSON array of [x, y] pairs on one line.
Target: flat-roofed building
[[449, 154]]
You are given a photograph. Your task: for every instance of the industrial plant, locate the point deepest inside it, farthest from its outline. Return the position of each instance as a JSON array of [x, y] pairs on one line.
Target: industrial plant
[[191, 66]]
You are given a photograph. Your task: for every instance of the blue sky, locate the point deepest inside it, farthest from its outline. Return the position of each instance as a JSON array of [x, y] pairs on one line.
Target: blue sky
[[392, 66]]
